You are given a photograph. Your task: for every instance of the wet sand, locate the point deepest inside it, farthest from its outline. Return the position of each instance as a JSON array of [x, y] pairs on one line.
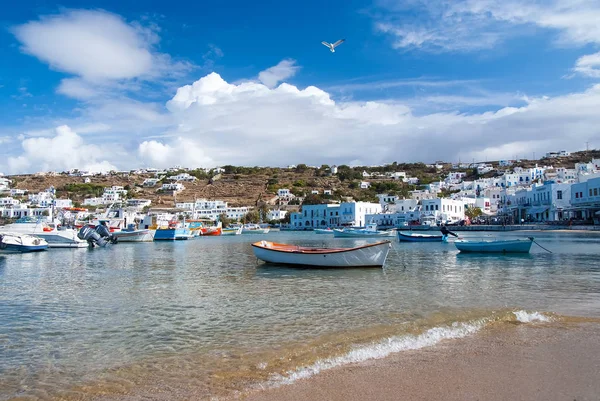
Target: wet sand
[[549, 361]]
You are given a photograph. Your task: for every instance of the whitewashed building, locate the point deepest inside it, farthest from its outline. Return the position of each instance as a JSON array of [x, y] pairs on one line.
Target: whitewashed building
[[443, 210], [585, 200], [276, 214]]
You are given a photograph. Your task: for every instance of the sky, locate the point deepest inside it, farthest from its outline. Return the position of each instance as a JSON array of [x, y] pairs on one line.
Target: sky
[[115, 85]]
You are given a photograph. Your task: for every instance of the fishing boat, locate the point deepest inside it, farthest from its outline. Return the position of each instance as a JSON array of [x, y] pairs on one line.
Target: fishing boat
[[414, 237], [367, 232], [254, 229], [370, 255], [53, 233], [174, 232], [133, 234], [231, 231], [19, 243], [323, 231], [522, 245]]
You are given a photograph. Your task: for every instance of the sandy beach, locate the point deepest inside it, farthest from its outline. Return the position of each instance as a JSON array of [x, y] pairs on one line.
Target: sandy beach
[[550, 361]]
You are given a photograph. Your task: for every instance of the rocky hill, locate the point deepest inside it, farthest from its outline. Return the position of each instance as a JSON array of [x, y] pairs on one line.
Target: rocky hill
[[246, 186]]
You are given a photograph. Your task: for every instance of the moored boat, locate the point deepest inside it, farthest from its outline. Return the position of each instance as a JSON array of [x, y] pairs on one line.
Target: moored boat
[[413, 237], [174, 231], [323, 231], [132, 234], [368, 232], [20, 243], [370, 255], [52, 233], [522, 245], [231, 231], [254, 229]]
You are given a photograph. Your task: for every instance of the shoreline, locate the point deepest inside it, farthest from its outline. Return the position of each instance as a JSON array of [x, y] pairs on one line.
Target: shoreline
[[545, 361]]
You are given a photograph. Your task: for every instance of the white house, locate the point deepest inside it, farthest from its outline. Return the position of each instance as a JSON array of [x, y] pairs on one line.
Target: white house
[[18, 192], [182, 177], [276, 214], [173, 186], [333, 215], [150, 182], [327, 192], [560, 153], [138, 204], [365, 185], [443, 210]]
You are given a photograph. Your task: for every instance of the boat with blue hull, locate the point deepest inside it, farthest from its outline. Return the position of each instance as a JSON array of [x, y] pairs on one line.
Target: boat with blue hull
[[15, 243], [521, 245], [413, 237], [172, 234]]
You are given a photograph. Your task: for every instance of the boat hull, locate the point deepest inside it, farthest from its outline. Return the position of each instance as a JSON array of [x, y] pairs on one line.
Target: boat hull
[[322, 231], [172, 234], [231, 231], [255, 231], [134, 236], [504, 246], [405, 237], [371, 255]]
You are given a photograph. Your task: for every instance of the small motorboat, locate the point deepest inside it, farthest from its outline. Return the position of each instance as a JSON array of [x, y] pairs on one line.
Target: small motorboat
[[367, 232], [414, 237], [370, 255], [323, 231], [133, 234], [250, 228], [19, 243], [522, 245], [231, 231]]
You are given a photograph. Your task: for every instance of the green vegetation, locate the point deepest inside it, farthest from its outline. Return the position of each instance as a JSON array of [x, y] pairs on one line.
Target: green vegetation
[[83, 189], [472, 213]]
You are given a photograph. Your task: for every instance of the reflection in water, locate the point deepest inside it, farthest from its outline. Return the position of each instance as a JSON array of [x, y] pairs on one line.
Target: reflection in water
[[200, 312]]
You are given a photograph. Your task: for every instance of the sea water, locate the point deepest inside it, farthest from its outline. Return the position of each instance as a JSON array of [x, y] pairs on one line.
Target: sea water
[[204, 318]]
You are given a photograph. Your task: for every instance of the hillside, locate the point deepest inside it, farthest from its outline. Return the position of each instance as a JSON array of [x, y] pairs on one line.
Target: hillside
[[246, 186]]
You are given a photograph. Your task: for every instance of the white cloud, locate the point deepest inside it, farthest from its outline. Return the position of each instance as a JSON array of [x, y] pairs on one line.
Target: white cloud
[[589, 65], [180, 152], [250, 124], [438, 25], [283, 70], [64, 151], [5, 139], [213, 122], [99, 48]]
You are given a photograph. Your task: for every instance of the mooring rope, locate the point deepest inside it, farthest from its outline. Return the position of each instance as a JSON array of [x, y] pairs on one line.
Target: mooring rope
[[535, 242]]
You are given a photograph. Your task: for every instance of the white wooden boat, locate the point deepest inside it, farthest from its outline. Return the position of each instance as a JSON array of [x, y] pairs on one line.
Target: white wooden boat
[[370, 255], [368, 232], [254, 229], [19, 243], [522, 245]]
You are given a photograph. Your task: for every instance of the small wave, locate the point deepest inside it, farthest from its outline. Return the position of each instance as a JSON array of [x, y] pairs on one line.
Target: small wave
[[381, 350], [528, 317]]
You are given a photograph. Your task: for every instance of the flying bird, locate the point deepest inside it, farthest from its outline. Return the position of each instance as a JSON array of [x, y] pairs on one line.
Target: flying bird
[[332, 46]]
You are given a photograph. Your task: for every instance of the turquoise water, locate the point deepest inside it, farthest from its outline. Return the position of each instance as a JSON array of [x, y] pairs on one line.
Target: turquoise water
[[204, 317]]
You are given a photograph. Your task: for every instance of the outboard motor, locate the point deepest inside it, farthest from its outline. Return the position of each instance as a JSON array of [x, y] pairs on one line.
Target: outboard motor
[[90, 235]]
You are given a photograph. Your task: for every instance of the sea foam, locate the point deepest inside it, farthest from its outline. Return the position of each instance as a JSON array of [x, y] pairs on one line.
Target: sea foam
[[381, 350], [528, 317]]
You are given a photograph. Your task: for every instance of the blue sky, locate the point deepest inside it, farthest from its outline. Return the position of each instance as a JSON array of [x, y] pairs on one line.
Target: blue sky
[[104, 85]]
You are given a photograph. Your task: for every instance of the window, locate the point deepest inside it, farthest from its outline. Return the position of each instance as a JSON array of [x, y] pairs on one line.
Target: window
[[590, 191], [558, 194], [595, 191]]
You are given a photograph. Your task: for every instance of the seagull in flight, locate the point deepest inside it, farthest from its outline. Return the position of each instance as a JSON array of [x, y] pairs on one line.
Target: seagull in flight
[[332, 46]]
